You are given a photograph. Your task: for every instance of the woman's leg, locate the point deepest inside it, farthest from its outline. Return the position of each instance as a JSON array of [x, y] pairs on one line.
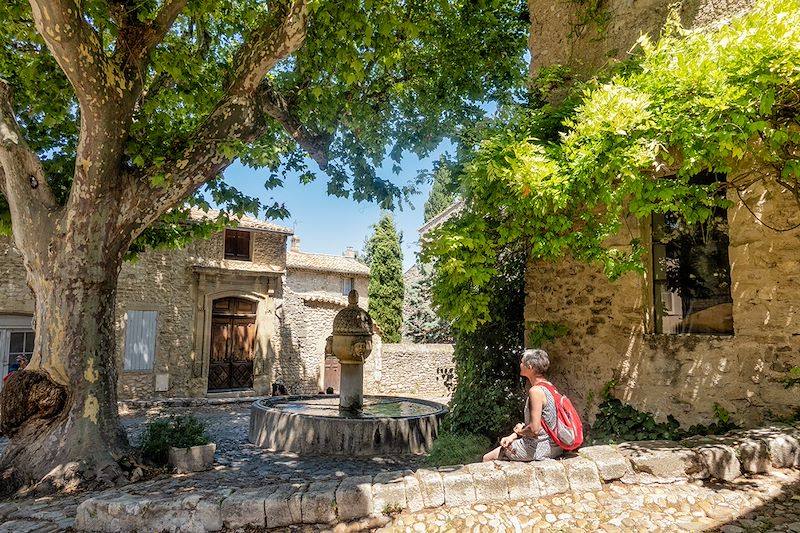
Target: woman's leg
[[493, 455]]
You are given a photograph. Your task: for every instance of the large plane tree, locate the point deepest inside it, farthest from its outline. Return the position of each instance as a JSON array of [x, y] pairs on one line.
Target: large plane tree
[[116, 113]]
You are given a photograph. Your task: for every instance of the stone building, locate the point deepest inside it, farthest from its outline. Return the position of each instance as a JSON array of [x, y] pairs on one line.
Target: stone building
[[235, 312], [316, 289], [670, 347]]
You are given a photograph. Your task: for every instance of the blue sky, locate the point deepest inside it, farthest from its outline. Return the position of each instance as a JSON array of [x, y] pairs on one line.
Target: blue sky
[[327, 224]]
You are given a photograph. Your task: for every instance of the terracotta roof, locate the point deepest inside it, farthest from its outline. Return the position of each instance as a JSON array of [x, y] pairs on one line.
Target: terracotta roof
[[245, 222], [325, 263]]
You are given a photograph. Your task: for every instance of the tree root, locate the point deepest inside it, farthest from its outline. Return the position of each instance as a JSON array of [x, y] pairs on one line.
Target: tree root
[[29, 395]]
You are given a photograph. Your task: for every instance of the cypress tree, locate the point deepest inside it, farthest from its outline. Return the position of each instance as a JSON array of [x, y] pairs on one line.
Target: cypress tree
[[386, 279]]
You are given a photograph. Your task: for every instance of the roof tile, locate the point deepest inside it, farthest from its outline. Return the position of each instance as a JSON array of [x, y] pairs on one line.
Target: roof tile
[[325, 263]]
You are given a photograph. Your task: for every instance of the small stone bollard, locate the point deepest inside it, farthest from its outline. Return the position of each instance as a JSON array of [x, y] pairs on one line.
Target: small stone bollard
[[193, 459]]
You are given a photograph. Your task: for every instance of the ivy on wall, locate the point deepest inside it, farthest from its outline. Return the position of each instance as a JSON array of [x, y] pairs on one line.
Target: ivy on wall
[[562, 179]]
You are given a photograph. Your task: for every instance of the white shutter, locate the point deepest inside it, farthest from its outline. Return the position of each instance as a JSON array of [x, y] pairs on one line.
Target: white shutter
[[140, 340]]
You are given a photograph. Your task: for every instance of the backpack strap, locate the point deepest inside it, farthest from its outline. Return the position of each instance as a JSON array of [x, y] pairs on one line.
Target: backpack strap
[[551, 388]]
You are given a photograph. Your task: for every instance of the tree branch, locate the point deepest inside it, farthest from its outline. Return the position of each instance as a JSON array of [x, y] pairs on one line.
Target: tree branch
[[236, 118], [76, 47], [139, 40], [22, 178], [163, 22], [280, 35], [275, 106]]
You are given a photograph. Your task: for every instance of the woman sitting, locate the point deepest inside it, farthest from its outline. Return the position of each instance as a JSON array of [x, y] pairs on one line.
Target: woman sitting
[[530, 442]]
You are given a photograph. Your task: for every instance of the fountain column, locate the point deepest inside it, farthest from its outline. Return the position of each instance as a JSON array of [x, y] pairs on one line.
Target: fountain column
[[351, 393], [351, 343]]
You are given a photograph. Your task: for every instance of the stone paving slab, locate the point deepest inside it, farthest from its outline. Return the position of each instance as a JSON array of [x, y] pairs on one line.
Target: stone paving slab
[[611, 464], [196, 512], [661, 461], [354, 498]]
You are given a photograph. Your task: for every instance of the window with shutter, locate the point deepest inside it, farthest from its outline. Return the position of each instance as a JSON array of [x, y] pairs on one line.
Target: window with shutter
[[237, 245], [140, 340]]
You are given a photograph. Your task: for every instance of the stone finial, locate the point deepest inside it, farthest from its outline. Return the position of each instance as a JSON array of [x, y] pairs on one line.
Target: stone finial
[[352, 320]]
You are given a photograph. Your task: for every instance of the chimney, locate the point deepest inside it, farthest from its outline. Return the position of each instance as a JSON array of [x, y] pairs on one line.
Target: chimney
[[349, 253], [295, 243]]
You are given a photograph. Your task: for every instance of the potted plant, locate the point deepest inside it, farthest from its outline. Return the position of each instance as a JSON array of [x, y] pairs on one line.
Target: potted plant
[[180, 442]]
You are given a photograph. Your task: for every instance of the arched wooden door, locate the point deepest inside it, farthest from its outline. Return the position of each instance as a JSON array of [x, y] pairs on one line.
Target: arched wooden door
[[233, 341]]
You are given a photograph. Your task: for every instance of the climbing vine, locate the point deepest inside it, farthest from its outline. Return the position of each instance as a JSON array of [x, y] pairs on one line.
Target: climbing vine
[[563, 179], [617, 421]]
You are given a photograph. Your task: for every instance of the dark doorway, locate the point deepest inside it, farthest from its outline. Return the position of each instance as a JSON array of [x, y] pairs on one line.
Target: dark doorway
[[233, 340]]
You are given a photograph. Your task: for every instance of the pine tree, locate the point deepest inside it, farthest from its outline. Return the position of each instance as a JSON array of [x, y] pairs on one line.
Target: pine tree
[[420, 323], [386, 279]]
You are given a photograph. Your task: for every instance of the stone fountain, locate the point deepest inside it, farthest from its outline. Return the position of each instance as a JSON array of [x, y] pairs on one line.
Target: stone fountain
[[350, 423], [351, 343]]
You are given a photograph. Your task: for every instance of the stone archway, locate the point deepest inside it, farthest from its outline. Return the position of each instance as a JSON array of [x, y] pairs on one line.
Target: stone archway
[[233, 344]]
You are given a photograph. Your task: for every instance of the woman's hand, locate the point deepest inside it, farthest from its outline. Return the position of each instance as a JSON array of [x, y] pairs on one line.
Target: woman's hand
[[519, 428], [505, 442]]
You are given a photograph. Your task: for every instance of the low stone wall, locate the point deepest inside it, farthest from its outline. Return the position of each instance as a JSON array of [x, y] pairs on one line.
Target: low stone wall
[[353, 498], [406, 368]]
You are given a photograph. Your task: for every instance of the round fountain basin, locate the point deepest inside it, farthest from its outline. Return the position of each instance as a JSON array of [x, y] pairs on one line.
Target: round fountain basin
[[314, 425]]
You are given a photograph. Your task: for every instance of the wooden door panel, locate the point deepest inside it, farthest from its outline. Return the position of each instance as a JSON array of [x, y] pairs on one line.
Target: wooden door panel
[[244, 339], [233, 340], [220, 334]]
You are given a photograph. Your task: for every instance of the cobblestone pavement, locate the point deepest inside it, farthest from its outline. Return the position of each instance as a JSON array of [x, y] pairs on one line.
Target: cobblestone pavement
[[239, 464], [756, 504], [242, 464], [749, 504]]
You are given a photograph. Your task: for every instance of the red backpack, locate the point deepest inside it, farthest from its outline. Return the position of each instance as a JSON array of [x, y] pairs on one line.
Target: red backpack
[[568, 433]]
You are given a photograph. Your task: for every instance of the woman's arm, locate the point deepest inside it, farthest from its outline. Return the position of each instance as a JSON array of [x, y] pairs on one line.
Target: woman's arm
[[536, 399]]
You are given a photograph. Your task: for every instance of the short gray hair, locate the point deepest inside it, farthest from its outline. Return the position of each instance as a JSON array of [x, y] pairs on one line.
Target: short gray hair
[[536, 359]]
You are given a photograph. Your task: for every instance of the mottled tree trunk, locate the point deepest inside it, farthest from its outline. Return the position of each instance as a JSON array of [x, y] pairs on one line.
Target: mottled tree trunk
[[61, 411]]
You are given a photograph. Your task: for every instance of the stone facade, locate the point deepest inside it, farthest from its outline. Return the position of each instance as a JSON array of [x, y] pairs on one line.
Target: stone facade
[[297, 296], [611, 325], [313, 295], [566, 33], [182, 288], [406, 368], [293, 311]]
